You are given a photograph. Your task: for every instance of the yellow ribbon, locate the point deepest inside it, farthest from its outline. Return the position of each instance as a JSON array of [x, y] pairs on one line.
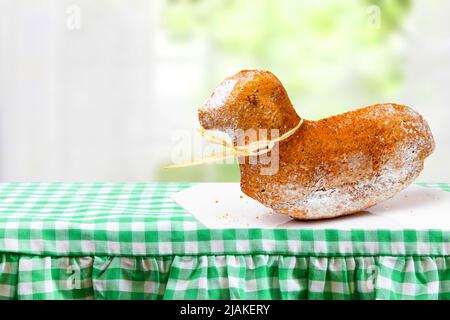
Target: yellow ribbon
[[255, 148]]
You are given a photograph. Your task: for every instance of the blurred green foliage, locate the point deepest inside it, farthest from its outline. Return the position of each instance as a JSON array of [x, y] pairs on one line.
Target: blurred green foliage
[[206, 172], [328, 55]]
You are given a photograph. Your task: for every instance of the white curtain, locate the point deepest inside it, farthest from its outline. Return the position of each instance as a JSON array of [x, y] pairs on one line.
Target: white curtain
[[90, 90]]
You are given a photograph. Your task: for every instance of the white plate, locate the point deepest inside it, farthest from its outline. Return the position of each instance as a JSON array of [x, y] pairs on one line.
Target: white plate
[[223, 205]]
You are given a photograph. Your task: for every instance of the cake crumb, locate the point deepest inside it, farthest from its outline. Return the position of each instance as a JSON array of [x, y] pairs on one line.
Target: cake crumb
[[258, 217], [216, 201], [241, 196]]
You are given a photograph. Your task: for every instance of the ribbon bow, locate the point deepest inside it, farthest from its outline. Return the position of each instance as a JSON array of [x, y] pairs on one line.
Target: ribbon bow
[[255, 148]]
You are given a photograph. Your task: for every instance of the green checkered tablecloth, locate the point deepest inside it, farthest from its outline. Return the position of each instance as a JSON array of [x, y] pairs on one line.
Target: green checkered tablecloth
[[131, 241]]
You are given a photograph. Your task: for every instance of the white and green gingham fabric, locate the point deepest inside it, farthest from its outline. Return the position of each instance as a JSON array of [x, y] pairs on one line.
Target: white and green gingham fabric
[[131, 241]]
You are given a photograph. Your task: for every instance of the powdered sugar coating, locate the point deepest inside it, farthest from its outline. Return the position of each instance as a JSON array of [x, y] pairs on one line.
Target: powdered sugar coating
[[220, 95], [322, 202]]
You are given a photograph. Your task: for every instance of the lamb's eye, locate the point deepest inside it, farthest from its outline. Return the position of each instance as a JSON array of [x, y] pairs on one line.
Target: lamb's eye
[[253, 99]]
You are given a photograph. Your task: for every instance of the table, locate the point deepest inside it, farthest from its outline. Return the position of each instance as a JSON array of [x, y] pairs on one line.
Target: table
[[131, 241]]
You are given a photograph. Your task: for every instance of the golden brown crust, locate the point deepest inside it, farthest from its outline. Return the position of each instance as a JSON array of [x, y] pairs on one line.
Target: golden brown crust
[[331, 167]]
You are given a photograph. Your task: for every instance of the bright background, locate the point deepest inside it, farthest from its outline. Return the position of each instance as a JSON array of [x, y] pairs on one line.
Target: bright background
[[94, 90]]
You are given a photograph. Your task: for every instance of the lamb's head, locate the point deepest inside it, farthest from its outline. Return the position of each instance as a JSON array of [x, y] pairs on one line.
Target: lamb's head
[[251, 99]]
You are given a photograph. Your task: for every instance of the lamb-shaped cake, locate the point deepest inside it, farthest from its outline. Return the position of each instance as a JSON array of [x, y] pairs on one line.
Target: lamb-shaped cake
[[327, 168]]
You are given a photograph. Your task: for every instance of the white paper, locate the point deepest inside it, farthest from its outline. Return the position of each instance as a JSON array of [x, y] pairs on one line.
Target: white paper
[[223, 205]]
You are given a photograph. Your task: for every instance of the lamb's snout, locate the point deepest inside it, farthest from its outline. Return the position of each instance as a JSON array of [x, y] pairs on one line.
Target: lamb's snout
[[206, 119], [212, 113]]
